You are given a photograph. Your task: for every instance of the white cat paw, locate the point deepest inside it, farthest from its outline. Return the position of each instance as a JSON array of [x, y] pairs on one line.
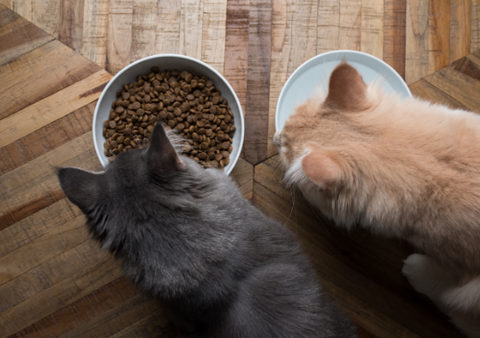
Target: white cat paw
[[426, 276]]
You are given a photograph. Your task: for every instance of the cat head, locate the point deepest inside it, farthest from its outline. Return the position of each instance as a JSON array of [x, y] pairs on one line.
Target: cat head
[[141, 188], [319, 143]]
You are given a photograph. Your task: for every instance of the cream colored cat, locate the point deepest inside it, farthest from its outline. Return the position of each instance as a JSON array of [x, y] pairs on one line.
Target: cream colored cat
[[402, 168]]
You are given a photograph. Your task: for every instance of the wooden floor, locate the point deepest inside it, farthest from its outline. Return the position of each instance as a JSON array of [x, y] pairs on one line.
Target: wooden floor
[[56, 56]]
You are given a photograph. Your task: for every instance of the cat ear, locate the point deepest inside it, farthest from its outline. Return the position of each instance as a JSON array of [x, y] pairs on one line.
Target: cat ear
[[80, 186], [346, 89], [162, 157], [322, 169]]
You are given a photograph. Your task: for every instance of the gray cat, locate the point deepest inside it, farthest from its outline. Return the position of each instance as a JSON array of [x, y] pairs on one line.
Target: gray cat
[[186, 236]]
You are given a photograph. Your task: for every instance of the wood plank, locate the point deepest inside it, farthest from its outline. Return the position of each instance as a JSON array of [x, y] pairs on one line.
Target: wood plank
[[394, 35], [236, 48], [53, 107], [191, 23], [119, 44], [460, 25], [329, 266], [81, 311], [35, 186], [42, 13], [71, 23], [350, 22], [242, 173], [213, 33], [328, 25], [417, 29], [18, 36], [95, 31], [438, 34], [59, 295], [144, 27], [46, 138], [372, 32], [475, 26], [461, 81], [258, 80], [294, 38], [424, 90], [168, 26], [151, 326], [40, 73]]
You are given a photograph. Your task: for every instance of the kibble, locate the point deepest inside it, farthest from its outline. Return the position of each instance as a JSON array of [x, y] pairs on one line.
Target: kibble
[[187, 102]]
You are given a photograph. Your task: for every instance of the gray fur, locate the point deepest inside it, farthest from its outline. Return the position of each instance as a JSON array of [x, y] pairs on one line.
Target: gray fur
[[187, 237]]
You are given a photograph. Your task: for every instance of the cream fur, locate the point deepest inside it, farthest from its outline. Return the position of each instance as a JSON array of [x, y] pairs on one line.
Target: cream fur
[[409, 169]]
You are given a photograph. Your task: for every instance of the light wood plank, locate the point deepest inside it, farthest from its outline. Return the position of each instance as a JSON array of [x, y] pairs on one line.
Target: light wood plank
[[372, 27], [42, 13], [394, 35], [191, 24], [18, 36], [438, 34], [460, 25], [52, 108], [119, 42], [95, 31], [328, 25], [144, 27], [213, 33], [168, 26], [350, 22], [475, 26], [71, 23], [40, 73], [416, 55]]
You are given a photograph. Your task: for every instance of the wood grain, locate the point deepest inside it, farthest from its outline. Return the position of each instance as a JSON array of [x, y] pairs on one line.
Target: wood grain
[[236, 47], [242, 173], [394, 35], [39, 74], [53, 107], [258, 80], [95, 31], [475, 26], [168, 26], [119, 35], [423, 89], [460, 23], [328, 25], [46, 138], [417, 34], [18, 36], [372, 31], [144, 25], [42, 13], [71, 23], [438, 34], [213, 33], [350, 21], [191, 28]]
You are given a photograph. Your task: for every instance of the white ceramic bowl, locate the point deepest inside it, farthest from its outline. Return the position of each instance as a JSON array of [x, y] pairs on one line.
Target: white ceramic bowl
[[315, 73], [167, 61]]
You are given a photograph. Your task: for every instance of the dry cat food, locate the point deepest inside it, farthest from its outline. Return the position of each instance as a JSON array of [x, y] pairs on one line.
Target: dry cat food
[[186, 101]]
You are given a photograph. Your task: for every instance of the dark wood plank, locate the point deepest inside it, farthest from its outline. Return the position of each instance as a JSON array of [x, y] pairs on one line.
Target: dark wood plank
[[40, 73], [236, 47], [424, 90], [18, 36], [71, 23], [258, 80], [47, 138], [394, 35]]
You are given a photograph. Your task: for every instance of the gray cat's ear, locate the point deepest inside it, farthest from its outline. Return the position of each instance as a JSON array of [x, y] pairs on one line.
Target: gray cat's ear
[[322, 168], [80, 186], [162, 157], [346, 89]]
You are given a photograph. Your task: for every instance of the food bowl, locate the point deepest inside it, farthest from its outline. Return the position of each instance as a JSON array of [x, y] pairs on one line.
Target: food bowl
[[163, 62], [314, 75]]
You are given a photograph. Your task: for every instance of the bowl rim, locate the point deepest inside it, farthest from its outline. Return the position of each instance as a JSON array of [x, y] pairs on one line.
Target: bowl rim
[[160, 56], [338, 51]]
